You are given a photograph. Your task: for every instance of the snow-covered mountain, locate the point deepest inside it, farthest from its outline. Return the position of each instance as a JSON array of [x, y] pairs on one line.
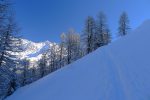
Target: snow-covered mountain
[[33, 51], [119, 71]]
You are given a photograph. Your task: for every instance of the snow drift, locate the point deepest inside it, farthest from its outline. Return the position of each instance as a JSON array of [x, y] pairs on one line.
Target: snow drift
[[119, 71]]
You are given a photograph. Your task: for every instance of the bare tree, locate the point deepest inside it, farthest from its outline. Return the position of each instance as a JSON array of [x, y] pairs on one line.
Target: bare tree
[[72, 45], [62, 51]]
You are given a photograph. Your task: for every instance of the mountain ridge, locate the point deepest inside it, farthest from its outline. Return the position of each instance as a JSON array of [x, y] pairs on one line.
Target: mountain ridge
[[33, 50]]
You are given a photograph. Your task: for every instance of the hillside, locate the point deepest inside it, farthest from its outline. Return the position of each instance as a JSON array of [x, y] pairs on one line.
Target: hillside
[[119, 71]]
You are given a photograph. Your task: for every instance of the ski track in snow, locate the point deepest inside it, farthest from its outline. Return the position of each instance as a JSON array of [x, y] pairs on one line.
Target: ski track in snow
[[119, 79]]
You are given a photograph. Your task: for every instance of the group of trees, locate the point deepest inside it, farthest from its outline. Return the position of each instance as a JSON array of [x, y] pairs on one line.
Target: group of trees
[[74, 46], [15, 73], [96, 33], [9, 42], [60, 55]]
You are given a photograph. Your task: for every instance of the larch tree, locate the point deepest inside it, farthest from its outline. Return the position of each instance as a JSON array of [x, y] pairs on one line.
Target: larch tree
[[54, 58], [62, 51], [89, 34], [42, 65], [102, 31], [26, 65], [72, 45], [123, 24]]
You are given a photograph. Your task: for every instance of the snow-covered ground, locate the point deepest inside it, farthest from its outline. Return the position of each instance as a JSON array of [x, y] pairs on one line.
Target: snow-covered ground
[[119, 71]]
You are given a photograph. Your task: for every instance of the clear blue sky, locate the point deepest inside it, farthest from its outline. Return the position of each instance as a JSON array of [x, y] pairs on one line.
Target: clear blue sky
[[42, 20]]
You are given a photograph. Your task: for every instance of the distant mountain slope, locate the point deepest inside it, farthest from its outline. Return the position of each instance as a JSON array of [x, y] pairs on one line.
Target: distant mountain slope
[[119, 71], [33, 51]]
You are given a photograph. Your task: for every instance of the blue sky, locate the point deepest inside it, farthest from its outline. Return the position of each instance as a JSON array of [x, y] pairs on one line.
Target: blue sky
[[42, 20]]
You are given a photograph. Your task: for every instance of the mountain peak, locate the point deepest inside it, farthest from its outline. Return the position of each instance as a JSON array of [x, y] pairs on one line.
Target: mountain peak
[[34, 50]]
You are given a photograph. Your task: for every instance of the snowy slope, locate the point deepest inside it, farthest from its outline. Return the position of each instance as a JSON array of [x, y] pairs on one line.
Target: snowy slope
[[33, 51], [120, 71]]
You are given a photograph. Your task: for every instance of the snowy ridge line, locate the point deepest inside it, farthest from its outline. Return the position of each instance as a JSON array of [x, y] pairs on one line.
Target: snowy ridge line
[[34, 50]]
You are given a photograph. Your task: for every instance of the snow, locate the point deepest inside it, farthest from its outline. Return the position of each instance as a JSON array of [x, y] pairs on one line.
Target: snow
[[119, 71]]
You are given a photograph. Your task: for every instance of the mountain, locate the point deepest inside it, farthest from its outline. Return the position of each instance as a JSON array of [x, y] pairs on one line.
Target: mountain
[[119, 71], [33, 51]]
